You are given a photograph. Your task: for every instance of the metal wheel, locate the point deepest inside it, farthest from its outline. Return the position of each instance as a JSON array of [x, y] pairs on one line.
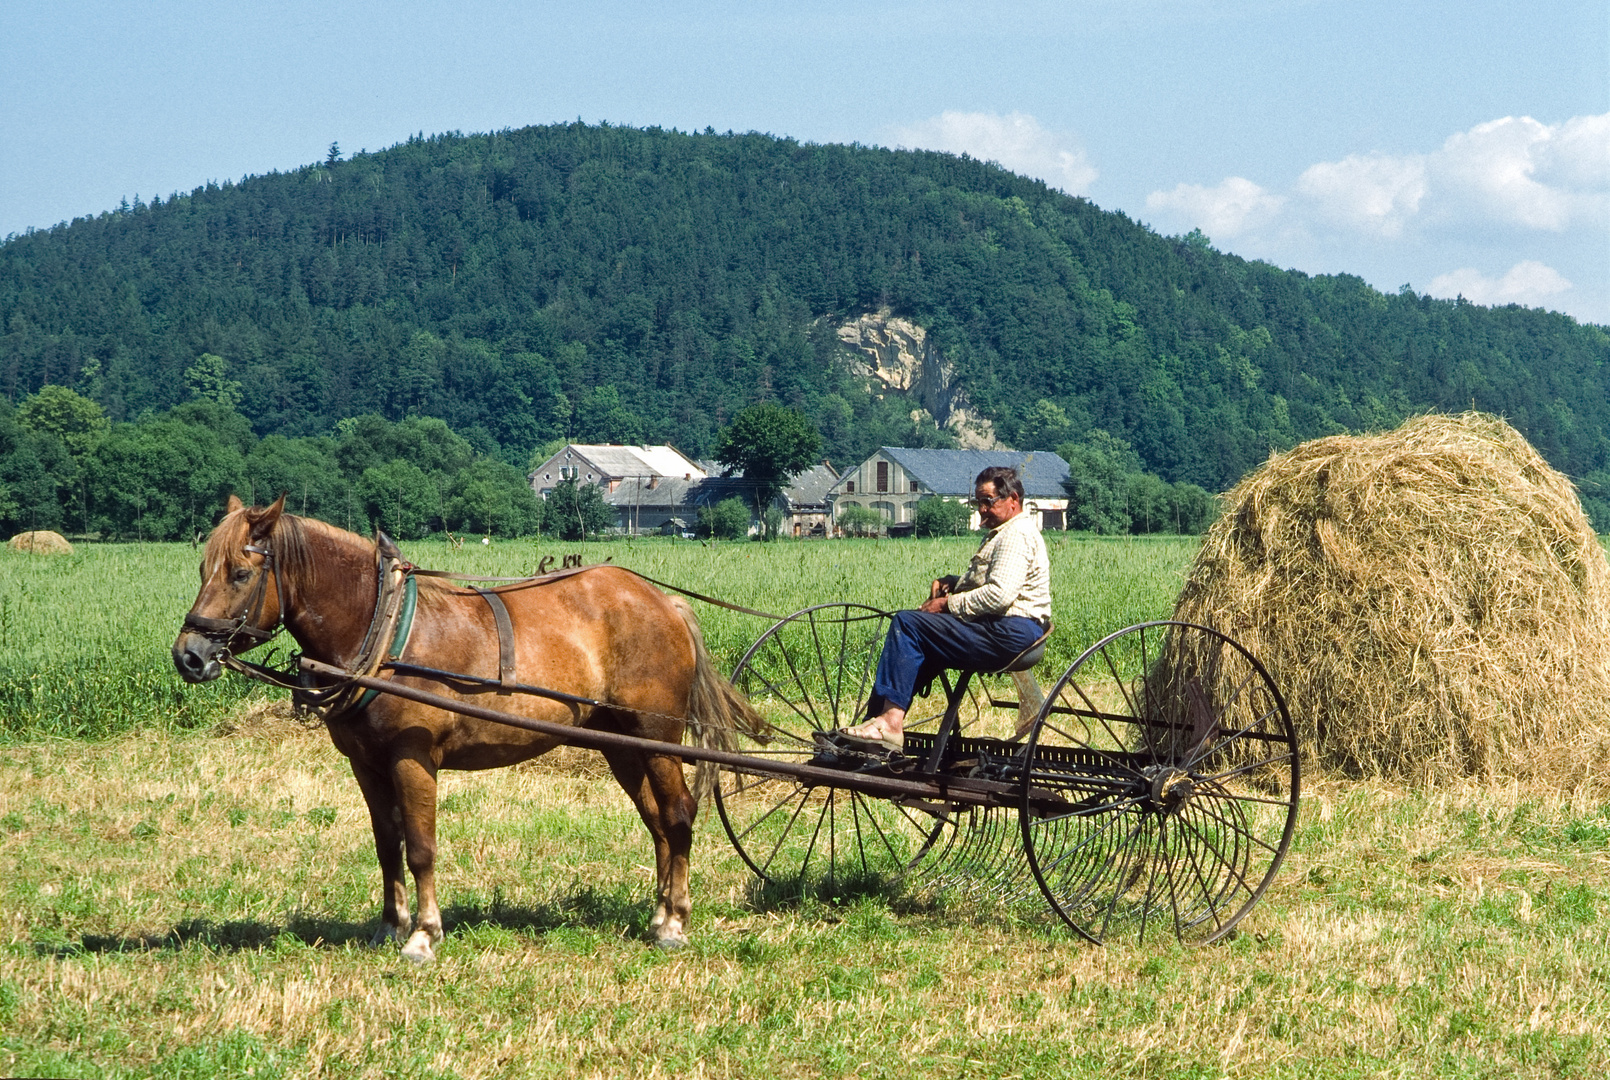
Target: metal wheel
[[813, 672], [1160, 788]]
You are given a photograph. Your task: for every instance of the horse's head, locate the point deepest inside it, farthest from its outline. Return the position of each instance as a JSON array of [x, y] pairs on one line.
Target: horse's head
[[239, 605]]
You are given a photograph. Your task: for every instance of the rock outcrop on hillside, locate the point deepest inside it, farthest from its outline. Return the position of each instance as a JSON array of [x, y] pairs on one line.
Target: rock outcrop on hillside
[[904, 359]]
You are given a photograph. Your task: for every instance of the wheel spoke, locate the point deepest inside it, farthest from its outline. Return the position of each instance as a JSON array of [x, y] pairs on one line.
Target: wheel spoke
[[1168, 846], [791, 832]]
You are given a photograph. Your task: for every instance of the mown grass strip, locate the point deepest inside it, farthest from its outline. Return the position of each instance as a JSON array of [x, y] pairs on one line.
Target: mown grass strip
[[181, 906]]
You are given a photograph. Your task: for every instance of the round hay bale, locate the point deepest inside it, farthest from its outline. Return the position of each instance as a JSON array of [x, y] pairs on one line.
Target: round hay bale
[[41, 542], [1432, 601]]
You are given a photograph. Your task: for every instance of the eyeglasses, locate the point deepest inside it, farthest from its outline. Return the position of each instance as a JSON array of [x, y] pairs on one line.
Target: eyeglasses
[[984, 504]]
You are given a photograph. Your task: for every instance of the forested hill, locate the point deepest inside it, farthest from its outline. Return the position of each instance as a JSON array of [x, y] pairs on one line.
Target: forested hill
[[644, 285]]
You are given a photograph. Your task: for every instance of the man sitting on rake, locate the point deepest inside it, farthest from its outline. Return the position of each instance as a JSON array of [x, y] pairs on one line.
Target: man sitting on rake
[[981, 621]]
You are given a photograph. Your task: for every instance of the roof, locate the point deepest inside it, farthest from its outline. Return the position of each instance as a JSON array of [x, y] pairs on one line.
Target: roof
[[951, 472], [811, 486], [617, 462], [666, 493]]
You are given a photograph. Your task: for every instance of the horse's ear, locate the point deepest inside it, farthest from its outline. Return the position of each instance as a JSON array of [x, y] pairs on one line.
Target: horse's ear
[[264, 520], [387, 546], [233, 504]]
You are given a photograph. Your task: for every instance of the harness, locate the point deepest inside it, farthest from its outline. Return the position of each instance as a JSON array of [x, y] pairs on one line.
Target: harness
[[396, 599]]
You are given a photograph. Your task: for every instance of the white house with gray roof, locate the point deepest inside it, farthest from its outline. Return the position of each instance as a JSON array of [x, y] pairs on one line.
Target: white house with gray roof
[[656, 488], [608, 466], [893, 480]]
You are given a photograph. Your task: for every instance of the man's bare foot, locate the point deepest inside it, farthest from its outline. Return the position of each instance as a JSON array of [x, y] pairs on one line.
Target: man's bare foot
[[886, 730]]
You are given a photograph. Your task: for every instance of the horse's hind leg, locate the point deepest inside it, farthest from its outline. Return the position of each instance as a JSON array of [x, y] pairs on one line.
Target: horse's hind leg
[[415, 781], [385, 818], [656, 786]]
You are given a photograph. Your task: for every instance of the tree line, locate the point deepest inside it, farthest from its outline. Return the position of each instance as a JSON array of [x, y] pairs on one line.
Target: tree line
[[65, 466], [600, 283]]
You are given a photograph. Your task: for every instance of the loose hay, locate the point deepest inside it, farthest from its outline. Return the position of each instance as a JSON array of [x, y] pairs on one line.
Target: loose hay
[[1432, 601], [41, 542]]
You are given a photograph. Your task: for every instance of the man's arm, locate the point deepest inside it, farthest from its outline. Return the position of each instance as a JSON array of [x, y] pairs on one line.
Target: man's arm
[[1003, 578]]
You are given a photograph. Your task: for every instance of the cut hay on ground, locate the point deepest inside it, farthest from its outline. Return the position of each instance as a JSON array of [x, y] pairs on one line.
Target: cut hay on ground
[[274, 719], [1432, 601], [41, 542]]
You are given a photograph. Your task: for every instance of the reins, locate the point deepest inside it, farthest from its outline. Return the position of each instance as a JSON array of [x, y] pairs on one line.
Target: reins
[[388, 633], [509, 583]]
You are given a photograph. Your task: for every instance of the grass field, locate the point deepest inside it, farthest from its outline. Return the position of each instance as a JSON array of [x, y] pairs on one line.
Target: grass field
[[84, 638], [187, 903]]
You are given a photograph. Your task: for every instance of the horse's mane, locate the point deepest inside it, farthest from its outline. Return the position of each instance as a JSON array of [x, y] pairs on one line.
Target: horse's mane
[[290, 541]]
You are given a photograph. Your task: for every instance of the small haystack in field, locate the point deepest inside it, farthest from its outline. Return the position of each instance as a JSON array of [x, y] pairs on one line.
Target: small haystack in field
[[1432, 601], [41, 542]]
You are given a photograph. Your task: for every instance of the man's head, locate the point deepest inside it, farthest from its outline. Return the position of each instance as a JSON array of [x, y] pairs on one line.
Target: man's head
[[998, 494]]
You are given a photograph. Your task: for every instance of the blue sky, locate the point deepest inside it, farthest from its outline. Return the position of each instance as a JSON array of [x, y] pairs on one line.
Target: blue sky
[[1459, 148]]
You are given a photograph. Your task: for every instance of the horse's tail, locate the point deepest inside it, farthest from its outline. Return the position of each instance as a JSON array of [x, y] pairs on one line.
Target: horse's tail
[[716, 710]]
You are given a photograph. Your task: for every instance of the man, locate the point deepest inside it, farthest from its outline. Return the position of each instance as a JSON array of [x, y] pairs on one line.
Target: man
[[980, 621]]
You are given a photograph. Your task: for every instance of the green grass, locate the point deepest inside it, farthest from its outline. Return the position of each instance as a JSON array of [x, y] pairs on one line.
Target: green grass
[[177, 905], [84, 638]]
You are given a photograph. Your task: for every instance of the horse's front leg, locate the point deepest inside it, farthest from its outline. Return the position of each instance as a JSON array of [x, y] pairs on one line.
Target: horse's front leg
[[385, 818], [415, 780]]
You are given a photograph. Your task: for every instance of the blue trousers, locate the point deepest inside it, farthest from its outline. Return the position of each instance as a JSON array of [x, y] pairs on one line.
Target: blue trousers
[[920, 645]]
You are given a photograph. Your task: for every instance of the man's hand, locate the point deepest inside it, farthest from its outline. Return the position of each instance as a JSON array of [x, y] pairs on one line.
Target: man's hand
[[937, 591]]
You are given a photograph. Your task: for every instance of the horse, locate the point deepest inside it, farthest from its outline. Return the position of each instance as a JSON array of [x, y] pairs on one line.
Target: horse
[[599, 633]]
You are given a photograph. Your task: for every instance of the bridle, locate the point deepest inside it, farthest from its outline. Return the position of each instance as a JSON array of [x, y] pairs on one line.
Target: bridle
[[222, 631], [387, 637]]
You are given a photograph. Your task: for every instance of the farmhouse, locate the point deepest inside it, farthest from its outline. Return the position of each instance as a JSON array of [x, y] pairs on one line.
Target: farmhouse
[[893, 480], [657, 488], [609, 466], [803, 502], [646, 485]]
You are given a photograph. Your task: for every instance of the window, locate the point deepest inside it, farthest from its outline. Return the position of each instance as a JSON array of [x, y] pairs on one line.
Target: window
[[849, 487], [915, 487], [883, 476]]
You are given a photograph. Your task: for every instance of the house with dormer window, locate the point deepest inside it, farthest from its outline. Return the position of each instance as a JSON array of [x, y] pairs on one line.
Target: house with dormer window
[[894, 480]]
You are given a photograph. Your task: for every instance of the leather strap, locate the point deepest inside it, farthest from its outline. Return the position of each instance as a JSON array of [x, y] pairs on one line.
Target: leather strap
[[507, 664]]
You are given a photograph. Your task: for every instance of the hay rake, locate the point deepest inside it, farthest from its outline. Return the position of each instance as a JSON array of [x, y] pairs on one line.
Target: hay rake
[[1153, 789]]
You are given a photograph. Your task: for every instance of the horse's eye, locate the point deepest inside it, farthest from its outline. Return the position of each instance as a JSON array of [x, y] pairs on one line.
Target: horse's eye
[[242, 574]]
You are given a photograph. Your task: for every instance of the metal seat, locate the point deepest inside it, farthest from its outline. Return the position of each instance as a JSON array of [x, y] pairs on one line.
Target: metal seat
[[1030, 656], [1027, 689]]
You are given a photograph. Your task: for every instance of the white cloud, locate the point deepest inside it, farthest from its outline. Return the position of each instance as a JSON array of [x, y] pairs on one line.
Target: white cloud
[[1514, 171], [1578, 156], [1489, 169], [1234, 208], [1529, 283], [1372, 192], [1017, 141]]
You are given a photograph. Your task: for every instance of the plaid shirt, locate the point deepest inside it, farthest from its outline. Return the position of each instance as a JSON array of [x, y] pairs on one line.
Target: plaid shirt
[[1010, 574]]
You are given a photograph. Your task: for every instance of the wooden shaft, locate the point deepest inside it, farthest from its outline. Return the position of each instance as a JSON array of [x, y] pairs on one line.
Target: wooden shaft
[[952, 789]]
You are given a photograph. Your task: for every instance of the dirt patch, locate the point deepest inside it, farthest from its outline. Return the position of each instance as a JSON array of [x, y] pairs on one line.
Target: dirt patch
[[272, 718]]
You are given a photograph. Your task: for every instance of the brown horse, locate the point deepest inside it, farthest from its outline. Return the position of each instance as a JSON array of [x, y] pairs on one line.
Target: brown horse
[[602, 634]]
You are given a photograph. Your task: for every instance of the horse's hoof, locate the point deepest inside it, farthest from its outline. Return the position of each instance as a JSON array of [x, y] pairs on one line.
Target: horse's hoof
[[418, 949]]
